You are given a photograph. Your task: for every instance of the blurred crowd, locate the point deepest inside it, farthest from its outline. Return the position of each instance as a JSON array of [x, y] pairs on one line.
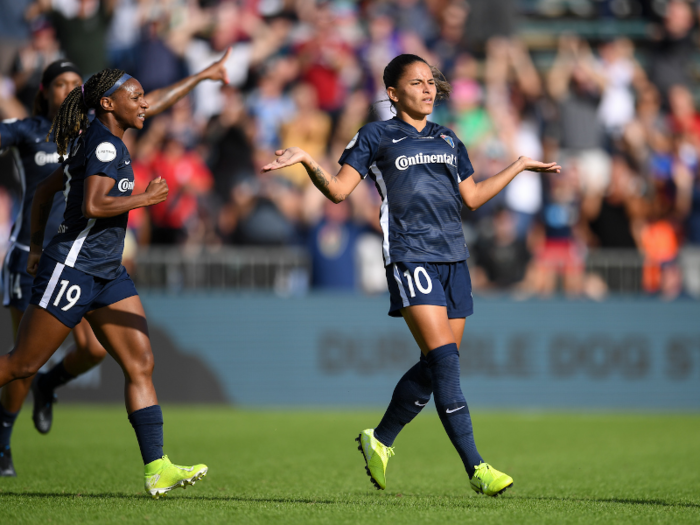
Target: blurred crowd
[[618, 114]]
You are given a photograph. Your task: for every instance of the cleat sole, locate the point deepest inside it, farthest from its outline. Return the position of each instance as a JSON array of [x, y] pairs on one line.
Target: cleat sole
[[359, 447]]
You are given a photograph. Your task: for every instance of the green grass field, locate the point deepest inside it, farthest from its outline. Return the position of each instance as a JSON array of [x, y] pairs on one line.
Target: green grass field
[[303, 467]]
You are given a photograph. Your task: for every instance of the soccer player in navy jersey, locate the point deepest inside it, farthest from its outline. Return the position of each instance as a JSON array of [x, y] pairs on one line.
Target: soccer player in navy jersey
[[423, 174], [36, 160]]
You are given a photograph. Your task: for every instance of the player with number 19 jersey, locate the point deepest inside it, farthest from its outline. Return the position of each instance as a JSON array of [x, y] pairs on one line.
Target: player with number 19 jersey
[[81, 270], [417, 174]]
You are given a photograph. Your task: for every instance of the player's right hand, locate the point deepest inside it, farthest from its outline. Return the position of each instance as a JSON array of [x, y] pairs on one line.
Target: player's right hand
[[286, 157], [33, 263], [157, 191]]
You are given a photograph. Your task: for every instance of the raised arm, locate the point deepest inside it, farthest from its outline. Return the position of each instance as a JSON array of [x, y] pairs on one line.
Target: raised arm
[[41, 211], [163, 98], [476, 194], [335, 187], [98, 205]]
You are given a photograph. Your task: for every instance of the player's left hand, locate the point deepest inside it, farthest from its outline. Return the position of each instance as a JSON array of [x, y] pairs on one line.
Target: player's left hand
[[217, 71], [33, 263], [535, 165]]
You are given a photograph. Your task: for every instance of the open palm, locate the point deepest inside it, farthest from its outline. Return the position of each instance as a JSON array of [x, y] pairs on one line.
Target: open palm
[[541, 167], [285, 157]]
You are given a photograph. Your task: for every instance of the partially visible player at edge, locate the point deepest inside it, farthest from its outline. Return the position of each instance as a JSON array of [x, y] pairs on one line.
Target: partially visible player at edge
[[36, 158], [80, 273], [423, 173]]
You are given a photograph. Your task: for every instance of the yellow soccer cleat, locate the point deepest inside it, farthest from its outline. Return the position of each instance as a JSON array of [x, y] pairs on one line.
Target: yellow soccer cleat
[[376, 457], [487, 480], [162, 476]]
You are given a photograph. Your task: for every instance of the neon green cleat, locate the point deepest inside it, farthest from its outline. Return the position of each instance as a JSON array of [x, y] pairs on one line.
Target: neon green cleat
[[376, 457], [487, 480], [162, 476]]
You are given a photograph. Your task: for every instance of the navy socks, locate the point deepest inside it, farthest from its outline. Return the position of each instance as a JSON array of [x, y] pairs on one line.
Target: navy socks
[[451, 405], [54, 378], [148, 425], [7, 422], [411, 394]]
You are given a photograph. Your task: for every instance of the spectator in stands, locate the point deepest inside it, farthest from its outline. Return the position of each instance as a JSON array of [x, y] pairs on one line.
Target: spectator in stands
[[309, 128], [614, 215], [81, 27], [332, 245], [229, 141], [501, 257], [669, 64], [559, 251], [32, 59], [189, 179], [575, 83]]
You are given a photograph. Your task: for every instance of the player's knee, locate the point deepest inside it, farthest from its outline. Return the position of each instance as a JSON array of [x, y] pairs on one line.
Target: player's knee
[[143, 364]]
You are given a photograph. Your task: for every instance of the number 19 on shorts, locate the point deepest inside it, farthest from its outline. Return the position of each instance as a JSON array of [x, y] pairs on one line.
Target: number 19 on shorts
[[72, 295]]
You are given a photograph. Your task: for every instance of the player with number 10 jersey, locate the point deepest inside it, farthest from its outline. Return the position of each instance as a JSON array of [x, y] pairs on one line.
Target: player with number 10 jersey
[[423, 174]]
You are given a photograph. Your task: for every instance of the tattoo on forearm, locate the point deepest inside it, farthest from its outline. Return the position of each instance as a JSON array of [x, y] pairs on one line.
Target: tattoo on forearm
[[322, 183]]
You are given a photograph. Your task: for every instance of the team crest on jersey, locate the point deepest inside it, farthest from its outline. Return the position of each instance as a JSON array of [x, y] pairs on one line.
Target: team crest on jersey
[[448, 139]]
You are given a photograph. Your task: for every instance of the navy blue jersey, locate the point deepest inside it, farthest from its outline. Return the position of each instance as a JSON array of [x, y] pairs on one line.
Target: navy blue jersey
[[93, 246], [417, 175], [35, 159]]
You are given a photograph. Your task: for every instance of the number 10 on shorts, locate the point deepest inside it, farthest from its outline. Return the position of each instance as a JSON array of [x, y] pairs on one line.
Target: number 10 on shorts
[[72, 296], [417, 276]]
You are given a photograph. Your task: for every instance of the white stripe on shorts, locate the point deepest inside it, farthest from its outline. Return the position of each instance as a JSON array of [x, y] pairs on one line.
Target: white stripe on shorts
[[52, 285], [397, 276]]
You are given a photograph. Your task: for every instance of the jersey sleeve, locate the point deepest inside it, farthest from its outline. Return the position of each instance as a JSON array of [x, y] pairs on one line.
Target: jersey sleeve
[[464, 165], [11, 133], [362, 149], [103, 158]]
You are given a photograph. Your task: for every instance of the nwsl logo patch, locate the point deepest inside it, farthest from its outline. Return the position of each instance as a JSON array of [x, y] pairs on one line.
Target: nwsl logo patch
[[448, 139]]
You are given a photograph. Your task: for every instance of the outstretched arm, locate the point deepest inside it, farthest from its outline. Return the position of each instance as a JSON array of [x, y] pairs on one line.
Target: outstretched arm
[[163, 98], [335, 187], [476, 194]]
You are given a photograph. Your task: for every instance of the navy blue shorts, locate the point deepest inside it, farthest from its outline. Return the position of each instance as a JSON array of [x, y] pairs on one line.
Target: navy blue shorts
[[441, 284], [16, 282], [68, 294]]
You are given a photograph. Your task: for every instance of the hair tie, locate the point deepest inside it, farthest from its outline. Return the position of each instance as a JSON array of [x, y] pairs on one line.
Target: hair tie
[[82, 92], [41, 87]]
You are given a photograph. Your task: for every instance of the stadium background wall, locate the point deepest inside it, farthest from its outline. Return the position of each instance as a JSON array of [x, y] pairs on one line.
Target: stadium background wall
[[343, 350]]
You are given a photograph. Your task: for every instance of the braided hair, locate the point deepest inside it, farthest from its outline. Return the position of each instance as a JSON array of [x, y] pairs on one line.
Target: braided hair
[[72, 117]]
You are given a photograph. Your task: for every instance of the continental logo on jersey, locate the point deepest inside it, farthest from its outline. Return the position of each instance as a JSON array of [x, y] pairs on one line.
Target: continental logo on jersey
[[42, 158], [403, 162], [125, 185]]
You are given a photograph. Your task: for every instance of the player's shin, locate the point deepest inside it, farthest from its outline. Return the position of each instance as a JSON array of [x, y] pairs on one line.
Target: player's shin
[[411, 394], [451, 405]]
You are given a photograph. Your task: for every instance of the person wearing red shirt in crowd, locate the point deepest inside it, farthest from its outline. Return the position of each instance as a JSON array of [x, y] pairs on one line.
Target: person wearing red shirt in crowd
[[188, 177]]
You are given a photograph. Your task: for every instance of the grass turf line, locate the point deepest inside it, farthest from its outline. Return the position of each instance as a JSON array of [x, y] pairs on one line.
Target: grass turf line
[[304, 467]]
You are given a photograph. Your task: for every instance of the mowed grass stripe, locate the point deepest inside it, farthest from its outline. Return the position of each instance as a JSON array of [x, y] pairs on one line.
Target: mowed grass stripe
[[304, 467]]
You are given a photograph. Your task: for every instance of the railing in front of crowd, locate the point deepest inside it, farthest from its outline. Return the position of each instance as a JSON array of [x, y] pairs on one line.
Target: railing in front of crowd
[[287, 270], [242, 268]]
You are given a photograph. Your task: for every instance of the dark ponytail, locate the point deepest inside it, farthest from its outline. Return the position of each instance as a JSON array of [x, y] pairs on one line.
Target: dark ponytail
[[396, 68], [72, 117]]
